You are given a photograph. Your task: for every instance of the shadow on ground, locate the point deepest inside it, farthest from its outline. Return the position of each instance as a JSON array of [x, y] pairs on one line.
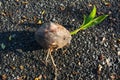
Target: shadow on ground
[[14, 40]]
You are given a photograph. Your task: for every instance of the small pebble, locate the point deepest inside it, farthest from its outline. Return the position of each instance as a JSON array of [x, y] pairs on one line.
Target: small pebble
[[118, 53], [62, 7], [99, 69], [108, 61], [103, 40], [0, 3], [21, 67], [4, 77]]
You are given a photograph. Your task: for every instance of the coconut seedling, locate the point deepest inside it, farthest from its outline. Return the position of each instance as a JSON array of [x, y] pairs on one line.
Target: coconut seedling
[[53, 36]]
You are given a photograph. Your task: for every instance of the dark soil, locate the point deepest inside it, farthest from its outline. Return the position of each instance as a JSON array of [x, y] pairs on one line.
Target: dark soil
[[94, 54]]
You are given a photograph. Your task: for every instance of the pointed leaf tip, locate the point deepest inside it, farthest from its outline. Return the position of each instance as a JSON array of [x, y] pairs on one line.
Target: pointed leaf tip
[[92, 14]]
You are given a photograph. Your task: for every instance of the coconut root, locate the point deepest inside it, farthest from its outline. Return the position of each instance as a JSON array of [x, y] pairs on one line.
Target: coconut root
[[53, 62]]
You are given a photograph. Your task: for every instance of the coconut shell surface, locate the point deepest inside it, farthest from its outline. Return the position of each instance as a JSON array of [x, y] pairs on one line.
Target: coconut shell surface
[[52, 35]]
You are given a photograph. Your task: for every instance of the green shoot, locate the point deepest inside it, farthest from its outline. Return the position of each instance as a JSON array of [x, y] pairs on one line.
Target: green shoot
[[89, 21]]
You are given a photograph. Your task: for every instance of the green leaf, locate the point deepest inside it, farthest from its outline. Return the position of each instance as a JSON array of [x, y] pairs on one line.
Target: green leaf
[[92, 15], [89, 24], [94, 22], [89, 21], [3, 46], [99, 19], [84, 19]]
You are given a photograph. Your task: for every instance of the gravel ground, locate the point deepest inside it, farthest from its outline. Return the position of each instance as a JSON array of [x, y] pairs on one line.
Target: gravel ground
[[94, 54]]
